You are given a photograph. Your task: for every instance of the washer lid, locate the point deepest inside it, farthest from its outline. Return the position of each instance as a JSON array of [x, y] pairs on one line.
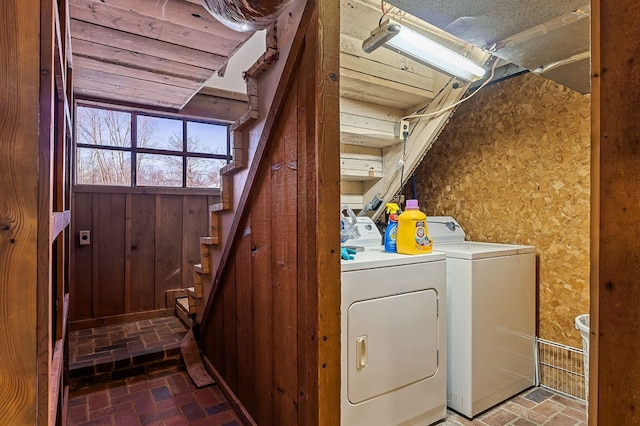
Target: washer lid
[[476, 250], [444, 229], [376, 257]]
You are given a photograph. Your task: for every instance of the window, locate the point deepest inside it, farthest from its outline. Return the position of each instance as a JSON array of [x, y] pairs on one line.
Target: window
[[129, 148]]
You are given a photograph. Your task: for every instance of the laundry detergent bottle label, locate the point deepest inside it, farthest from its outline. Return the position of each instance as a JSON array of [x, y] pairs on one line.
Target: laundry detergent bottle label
[[421, 234]]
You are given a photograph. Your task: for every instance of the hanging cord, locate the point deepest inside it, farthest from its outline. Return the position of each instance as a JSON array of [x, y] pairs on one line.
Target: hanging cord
[[405, 137], [431, 114]]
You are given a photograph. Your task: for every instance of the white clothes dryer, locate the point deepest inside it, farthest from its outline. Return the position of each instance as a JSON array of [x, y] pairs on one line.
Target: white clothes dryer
[[393, 338], [491, 318]]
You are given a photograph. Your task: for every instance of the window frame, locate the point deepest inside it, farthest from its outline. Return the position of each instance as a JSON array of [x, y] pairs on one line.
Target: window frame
[[134, 150]]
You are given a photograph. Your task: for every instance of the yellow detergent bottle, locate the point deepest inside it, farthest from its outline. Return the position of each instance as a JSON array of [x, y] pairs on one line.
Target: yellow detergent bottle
[[413, 235]]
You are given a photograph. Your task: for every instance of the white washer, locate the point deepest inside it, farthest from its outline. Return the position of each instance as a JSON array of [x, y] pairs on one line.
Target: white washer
[[393, 337], [491, 319]]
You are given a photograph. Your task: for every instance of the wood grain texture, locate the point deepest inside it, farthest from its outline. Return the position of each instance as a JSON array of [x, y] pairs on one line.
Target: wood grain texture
[[172, 22], [324, 291], [282, 154], [261, 300], [19, 87], [143, 243], [245, 321], [168, 259], [193, 210], [512, 166], [81, 291], [111, 253], [594, 294], [147, 233], [614, 335], [46, 288], [289, 291]]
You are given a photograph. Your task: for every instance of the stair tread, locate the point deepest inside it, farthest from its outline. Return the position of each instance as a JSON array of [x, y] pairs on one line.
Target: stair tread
[[208, 241], [183, 302]]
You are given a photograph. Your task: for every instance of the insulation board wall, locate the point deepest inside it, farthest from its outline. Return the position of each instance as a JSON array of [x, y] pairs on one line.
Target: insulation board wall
[[513, 166]]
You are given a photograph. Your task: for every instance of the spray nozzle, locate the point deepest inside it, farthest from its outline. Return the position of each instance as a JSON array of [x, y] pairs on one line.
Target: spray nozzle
[[392, 208]]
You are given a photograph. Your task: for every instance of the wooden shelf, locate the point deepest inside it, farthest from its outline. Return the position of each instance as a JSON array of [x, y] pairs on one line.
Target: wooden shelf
[[59, 221]]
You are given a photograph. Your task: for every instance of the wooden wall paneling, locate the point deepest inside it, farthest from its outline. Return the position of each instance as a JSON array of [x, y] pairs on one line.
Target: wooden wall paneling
[[305, 239], [615, 336], [168, 256], [81, 291], [216, 334], [263, 358], [230, 328], [148, 225], [19, 56], [96, 232], [283, 161], [127, 254], [194, 226], [111, 252], [245, 322], [283, 85]]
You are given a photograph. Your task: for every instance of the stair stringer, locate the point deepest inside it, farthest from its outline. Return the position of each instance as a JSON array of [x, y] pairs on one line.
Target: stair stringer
[[252, 134]]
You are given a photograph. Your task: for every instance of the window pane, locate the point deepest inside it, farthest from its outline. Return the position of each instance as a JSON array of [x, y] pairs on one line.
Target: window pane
[[204, 172], [103, 127], [159, 133], [159, 170], [103, 167], [206, 138]]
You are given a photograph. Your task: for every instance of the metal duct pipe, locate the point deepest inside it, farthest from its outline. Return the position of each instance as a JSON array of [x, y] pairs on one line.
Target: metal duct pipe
[[245, 15]]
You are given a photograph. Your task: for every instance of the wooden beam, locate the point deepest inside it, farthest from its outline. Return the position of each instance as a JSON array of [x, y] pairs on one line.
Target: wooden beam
[[134, 83], [219, 108], [19, 275], [614, 392], [190, 16], [104, 55], [130, 41], [323, 319], [83, 63], [154, 22]]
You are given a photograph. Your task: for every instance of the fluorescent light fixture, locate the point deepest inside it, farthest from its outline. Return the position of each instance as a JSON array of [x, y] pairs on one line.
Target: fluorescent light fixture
[[413, 45]]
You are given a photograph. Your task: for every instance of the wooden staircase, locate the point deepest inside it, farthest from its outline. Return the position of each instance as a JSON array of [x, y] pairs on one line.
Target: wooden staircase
[[203, 279]]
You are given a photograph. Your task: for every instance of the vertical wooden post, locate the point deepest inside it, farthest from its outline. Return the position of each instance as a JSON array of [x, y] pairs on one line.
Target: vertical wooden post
[[323, 129], [615, 281], [26, 126]]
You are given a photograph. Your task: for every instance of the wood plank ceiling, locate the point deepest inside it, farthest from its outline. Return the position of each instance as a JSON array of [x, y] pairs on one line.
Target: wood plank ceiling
[[155, 53]]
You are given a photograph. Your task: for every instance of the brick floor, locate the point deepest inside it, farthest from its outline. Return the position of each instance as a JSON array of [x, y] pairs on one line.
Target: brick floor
[[534, 407], [169, 399], [105, 354]]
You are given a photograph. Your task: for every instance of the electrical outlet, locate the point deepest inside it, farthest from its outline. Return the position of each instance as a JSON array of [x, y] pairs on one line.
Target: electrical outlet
[[400, 128], [85, 238]]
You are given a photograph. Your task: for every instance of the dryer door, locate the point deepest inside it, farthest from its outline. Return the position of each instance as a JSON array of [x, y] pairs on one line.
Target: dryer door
[[392, 342]]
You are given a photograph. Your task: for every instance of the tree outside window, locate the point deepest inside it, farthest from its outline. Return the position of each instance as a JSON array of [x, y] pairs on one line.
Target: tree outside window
[[166, 151]]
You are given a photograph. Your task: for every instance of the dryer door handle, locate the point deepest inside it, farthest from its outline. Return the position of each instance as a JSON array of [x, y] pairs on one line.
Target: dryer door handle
[[361, 352]]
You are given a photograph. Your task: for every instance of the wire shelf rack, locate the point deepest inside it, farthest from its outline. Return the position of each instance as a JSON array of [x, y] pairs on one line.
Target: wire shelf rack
[[561, 368]]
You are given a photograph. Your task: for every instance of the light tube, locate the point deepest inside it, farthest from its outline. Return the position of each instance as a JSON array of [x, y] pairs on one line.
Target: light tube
[[409, 43]]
